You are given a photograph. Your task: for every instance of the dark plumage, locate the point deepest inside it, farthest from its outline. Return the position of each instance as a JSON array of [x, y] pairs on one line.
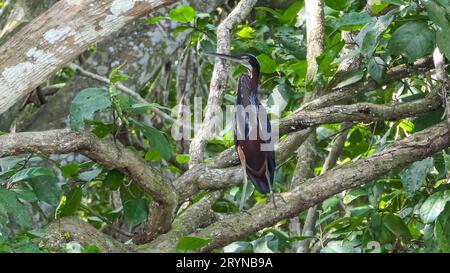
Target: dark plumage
[[250, 129]]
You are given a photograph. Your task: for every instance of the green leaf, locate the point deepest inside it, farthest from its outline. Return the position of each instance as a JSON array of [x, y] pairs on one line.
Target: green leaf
[[30, 173], [180, 29], [412, 40], [9, 162], [442, 230], [156, 139], [155, 19], [100, 129], [69, 203], [376, 69], [337, 4], [238, 247], [433, 206], [377, 27], [414, 175], [10, 205], [26, 195], [113, 180], [85, 104], [353, 19], [190, 243], [353, 194], [351, 78], [396, 226], [182, 14], [268, 65], [436, 13], [135, 211], [89, 175], [442, 38], [182, 159], [70, 170], [246, 32], [291, 12], [46, 189]]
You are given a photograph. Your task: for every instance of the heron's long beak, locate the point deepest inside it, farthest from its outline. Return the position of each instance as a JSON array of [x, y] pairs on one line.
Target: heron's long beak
[[227, 57]]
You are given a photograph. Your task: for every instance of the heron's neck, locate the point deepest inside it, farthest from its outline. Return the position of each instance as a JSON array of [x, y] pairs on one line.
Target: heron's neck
[[254, 74]]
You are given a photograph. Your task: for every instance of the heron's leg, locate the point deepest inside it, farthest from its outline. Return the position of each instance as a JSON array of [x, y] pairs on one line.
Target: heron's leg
[[244, 189], [244, 170], [270, 186]]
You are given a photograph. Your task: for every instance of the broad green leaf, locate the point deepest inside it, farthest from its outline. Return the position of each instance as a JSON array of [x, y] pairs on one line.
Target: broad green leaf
[[353, 194], [376, 69], [182, 159], [442, 230], [265, 244], [412, 40], [238, 247], [351, 78], [113, 180], [70, 202], [70, 170], [442, 40], [155, 19], [182, 14], [369, 43], [447, 162], [436, 13], [246, 32], [7, 163], [268, 65], [135, 211], [377, 27], [275, 13], [353, 19], [414, 175], [26, 195], [156, 139], [30, 173], [176, 31], [190, 243], [434, 205], [291, 12], [396, 226], [342, 247], [337, 4], [85, 104], [10, 204], [89, 175], [46, 189]]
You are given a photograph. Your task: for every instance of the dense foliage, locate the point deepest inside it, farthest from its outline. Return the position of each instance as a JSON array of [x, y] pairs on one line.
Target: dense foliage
[[405, 211]]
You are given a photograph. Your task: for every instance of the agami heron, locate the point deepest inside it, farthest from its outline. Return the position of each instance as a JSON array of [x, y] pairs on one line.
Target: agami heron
[[252, 129]]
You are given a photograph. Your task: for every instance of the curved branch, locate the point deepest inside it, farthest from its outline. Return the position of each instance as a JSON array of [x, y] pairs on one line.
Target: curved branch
[[359, 112], [348, 92], [106, 153], [416, 147], [74, 229]]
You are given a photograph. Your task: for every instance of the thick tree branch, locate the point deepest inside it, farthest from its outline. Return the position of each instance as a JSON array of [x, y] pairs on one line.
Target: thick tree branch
[[38, 50], [70, 229], [196, 216], [106, 153], [348, 92], [359, 112], [218, 80], [416, 147]]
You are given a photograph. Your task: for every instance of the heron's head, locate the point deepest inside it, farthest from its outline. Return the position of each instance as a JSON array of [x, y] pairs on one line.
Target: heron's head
[[247, 60]]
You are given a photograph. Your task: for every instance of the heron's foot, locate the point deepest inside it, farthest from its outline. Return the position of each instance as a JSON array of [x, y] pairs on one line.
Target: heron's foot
[[244, 211]]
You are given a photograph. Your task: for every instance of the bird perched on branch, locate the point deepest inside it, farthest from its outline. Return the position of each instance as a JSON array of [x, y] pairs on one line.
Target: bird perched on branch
[[252, 130]]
